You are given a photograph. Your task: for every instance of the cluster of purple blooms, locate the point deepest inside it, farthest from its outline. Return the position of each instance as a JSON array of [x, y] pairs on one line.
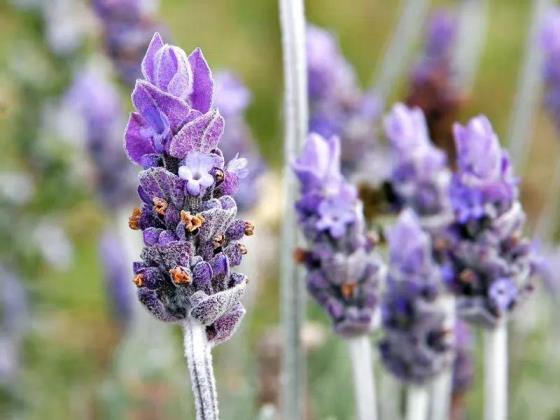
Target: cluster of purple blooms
[[420, 178], [343, 272], [490, 262], [128, 28], [550, 45], [337, 105], [188, 216], [232, 98], [98, 103], [417, 344]]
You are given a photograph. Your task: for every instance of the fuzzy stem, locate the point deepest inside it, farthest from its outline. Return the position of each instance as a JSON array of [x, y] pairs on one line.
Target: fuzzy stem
[[412, 16], [548, 219], [199, 360], [416, 403], [473, 21], [442, 385], [390, 390], [527, 91], [362, 372], [495, 373], [292, 23]]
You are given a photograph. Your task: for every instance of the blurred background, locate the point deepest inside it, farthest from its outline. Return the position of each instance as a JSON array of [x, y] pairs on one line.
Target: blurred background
[[72, 343]]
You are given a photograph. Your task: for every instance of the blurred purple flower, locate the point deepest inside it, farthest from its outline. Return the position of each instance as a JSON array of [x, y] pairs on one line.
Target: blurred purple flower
[[337, 105], [188, 217], [416, 345], [420, 177], [490, 262], [343, 273], [98, 103], [463, 368], [550, 45]]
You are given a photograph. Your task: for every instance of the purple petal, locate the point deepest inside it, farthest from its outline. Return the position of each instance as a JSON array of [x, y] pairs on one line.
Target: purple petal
[[148, 63], [160, 183], [203, 85], [213, 307], [202, 134], [136, 145], [225, 326]]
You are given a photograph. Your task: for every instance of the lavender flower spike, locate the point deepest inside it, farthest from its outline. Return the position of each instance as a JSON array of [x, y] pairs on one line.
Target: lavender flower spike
[[420, 178], [550, 45], [343, 273], [188, 216], [490, 259], [417, 345]]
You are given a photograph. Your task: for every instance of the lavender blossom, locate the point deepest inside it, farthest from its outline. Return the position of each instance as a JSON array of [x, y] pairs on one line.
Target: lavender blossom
[[550, 46], [431, 85], [416, 346], [420, 178], [232, 98], [93, 96], [342, 271], [337, 105], [490, 260], [128, 27], [188, 217]]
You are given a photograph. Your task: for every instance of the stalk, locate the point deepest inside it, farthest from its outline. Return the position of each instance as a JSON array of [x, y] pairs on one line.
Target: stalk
[[199, 360], [495, 373], [442, 386], [473, 22], [416, 402], [362, 372], [527, 91], [292, 23], [407, 31]]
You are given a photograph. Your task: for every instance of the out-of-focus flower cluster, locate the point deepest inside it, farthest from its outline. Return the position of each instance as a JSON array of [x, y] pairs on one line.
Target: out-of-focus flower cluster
[[343, 272], [417, 344], [338, 107], [420, 177], [128, 27], [490, 260], [188, 216], [550, 46]]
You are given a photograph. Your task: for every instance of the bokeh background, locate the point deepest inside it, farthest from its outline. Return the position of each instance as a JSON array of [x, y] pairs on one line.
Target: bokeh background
[[74, 358]]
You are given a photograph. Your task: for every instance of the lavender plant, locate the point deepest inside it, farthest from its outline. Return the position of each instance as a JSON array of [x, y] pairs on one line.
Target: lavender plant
[[343, 272], [417, 345], [188, 217]]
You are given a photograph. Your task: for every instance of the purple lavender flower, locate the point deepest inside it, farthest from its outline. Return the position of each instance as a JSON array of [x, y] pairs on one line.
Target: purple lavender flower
[[188, 217], [550, 45], [93, 96], [127, 27], [337, 105], [420, 178], [431, 86], [231, 97], [117, 276], [490, 260], [342, 270], [416, 346]]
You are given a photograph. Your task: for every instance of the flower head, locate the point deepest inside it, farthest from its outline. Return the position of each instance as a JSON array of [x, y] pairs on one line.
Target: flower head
[[550, 46], [417, 345], [343, 272], [188, 218]]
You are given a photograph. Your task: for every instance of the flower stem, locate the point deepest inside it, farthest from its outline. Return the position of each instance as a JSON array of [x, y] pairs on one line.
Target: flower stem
[[199, 360], [527, 91], [292, 22], [416, 403], [413, 13], [442, 385], [362, 372], [495, 373]]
